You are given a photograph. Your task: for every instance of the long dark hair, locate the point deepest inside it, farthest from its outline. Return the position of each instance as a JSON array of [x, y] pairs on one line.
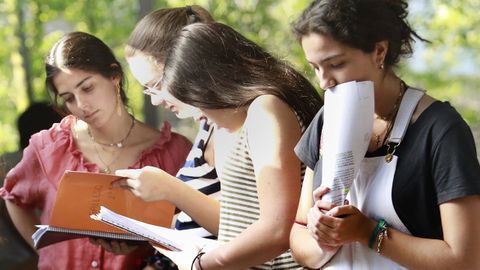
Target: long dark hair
[[155, 33], [82, 51], [214, 67], [360, 24]]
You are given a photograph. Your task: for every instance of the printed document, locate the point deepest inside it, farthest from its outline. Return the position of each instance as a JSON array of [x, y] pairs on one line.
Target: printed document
[[347, 129]]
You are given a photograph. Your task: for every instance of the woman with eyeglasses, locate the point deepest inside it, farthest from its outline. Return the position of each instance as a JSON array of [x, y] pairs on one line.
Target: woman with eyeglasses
[[152, 38], [263, 105], [98, 135]]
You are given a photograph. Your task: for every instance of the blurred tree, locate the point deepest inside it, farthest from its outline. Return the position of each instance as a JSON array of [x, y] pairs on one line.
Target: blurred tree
[[30, 27], [150, 111], [450, 61], [445, 67], [24, 50]]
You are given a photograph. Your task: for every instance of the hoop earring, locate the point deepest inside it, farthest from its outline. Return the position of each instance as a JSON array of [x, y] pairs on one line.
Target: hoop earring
[[330, 84], [119, 101]]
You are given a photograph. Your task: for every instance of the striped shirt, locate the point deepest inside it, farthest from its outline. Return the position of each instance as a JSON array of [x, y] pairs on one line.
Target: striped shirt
[[197, 173], [239, 205]]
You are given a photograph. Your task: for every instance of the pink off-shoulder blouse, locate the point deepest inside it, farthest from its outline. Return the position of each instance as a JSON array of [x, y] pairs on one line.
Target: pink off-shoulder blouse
[[33, 184]]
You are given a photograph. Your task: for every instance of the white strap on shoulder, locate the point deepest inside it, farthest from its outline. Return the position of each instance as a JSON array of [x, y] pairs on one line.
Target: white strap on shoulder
[[409, 102]]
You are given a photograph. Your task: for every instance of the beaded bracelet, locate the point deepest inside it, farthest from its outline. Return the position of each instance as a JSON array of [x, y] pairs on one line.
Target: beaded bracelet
[[381, 235], [197, 257], [380, 226]]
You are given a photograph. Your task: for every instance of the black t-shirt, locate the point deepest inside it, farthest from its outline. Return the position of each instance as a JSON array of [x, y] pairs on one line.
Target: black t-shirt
[[437, 162]]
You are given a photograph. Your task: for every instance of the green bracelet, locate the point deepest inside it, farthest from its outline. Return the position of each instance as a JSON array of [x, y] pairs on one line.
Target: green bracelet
[[381, 223]]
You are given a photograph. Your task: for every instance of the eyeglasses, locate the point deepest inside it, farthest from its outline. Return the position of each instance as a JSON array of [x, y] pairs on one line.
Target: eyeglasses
[[152, 91]]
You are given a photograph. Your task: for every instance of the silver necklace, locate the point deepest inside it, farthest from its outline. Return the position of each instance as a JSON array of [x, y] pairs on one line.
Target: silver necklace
[[118, 144]]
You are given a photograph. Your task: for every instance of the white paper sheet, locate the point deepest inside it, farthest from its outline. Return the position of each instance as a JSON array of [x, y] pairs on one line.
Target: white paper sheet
[[168, 238], [347, 129]]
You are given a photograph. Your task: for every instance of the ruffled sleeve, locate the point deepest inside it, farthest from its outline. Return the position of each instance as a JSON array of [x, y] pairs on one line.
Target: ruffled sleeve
[[44, 161], [168, 153], [19, 184]]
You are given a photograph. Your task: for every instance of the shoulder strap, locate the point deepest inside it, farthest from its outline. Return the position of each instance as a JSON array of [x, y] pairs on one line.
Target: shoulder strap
[[409, 102]]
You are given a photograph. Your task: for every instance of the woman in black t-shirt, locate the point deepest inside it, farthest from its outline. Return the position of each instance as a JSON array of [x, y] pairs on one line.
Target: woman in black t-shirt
[[435, 190]]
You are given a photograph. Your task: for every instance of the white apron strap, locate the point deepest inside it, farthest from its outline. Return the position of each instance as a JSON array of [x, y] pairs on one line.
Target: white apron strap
[[409, 102]]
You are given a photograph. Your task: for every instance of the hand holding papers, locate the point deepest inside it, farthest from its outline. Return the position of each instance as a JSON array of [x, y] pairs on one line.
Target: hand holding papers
[[158, 236], [347, 129]]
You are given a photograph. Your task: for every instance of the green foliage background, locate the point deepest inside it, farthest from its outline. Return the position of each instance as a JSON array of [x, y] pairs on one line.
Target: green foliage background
[[450, 25]]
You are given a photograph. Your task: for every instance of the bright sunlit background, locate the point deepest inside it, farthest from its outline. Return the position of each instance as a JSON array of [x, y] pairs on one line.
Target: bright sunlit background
[[447, 67]]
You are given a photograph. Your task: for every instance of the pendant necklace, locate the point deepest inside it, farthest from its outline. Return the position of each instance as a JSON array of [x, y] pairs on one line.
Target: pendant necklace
[[106, 168], [118, 144]]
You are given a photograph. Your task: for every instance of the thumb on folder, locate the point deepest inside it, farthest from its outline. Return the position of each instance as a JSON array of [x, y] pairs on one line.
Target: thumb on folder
[[148, 183]]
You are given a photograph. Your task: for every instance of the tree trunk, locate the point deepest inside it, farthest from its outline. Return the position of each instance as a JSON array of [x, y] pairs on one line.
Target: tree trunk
[[150, 111], [26, 62]]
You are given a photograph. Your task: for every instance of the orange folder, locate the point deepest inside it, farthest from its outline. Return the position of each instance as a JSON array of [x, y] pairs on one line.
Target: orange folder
[[80, 195]]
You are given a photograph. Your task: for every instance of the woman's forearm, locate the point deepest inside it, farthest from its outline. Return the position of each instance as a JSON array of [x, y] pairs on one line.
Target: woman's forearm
[[260, 242], [201, 208], [305, 249], [457, 250], [24, 220]]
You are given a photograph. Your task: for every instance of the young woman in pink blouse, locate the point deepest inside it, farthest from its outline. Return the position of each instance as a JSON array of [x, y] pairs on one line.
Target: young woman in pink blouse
[[98, 135]]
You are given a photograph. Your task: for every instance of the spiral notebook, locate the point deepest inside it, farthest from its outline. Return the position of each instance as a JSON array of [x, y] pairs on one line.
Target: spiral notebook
[[80, 195], [157, 236]]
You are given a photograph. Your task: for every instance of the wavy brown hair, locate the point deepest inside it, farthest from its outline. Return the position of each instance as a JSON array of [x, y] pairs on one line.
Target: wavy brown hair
[[213, 66], [82, 51], [155, 33], [361, 24]]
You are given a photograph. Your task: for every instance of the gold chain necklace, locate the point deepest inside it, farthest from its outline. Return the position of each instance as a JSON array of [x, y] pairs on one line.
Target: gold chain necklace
[[106, 168], [391, 116], [118, 144]]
